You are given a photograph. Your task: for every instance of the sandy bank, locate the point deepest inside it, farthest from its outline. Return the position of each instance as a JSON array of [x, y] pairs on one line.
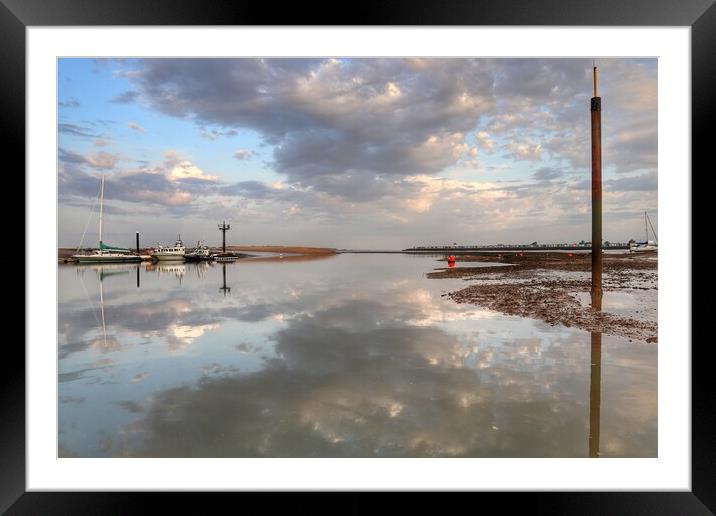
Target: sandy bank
[[281, 249]]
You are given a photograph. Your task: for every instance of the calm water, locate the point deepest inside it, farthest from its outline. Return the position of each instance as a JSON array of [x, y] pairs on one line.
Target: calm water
[[351, 355]]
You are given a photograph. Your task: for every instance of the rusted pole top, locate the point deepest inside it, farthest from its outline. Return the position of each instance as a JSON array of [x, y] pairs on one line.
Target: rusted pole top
[[596, 80]]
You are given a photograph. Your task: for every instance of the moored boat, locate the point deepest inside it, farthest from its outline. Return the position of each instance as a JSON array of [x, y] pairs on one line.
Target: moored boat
[[640, 247], [645, 245], [104, 256], [105, 253], [173, 252], [198, 254]]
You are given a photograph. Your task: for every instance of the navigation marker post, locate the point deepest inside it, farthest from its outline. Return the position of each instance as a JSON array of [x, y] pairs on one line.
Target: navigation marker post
[[224, 228], [596, 109]]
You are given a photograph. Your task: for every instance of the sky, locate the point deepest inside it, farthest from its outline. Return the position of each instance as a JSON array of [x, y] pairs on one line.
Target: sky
[[352, 153]]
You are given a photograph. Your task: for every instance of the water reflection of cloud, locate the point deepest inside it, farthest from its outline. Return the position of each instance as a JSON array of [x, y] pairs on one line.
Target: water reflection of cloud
[[183, 336], [365, 367], [346, 386]]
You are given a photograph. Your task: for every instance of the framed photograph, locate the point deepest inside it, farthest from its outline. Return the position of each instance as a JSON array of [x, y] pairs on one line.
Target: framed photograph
[[415, 250]]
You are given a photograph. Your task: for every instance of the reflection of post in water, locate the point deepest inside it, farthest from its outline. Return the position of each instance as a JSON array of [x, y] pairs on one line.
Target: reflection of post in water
[[138, 269], [595, 393], [224, 288]]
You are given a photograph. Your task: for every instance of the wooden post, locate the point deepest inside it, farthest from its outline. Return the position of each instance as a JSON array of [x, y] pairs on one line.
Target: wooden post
[[596, 109]]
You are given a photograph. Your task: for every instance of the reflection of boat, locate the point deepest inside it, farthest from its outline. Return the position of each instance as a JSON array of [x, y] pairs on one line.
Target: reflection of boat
[[645, 245], [199, 254], [174, 252], [109, 269], [104, 273], [105, 253], [201, 267], [177, 269], [105, 343]]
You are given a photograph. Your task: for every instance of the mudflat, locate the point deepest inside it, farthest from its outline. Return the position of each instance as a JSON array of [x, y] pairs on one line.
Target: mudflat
[[555, 288]]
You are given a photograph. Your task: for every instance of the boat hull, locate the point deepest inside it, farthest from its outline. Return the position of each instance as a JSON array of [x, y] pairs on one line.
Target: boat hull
[[168, 257], [196, 258], [106, 259], [225, 257]]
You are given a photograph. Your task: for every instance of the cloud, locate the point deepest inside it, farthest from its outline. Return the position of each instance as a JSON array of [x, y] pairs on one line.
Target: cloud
[[329, 117], [126, 98], [484, 141], [377, 117], [136, 127], [181, 169], [243, 154], [77, 130], [525, 151], [69, 103], [97, 160], [371, 142], [174, 182], [547, 173], [253, 189], [186, 171], [214, 134], [647, 182]]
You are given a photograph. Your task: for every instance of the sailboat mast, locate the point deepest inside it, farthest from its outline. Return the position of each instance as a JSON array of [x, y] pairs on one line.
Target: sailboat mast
[[652, 230], [101, 206]]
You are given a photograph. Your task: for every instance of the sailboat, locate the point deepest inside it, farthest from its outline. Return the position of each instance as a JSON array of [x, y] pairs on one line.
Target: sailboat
[[106, 253], [646, 244]]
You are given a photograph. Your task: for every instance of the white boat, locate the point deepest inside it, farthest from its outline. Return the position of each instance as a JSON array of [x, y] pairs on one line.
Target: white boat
[[105, 253], [645, 245], [174, 252]]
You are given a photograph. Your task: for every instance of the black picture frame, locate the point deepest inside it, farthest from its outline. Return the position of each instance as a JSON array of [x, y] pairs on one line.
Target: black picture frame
[[700, 15]]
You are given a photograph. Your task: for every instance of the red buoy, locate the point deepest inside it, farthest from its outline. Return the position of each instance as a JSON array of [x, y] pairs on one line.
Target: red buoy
[[451, 258]]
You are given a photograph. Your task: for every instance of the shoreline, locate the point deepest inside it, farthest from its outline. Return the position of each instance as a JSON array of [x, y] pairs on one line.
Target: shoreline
[[296, 250], [63, 253], [555, 287]]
